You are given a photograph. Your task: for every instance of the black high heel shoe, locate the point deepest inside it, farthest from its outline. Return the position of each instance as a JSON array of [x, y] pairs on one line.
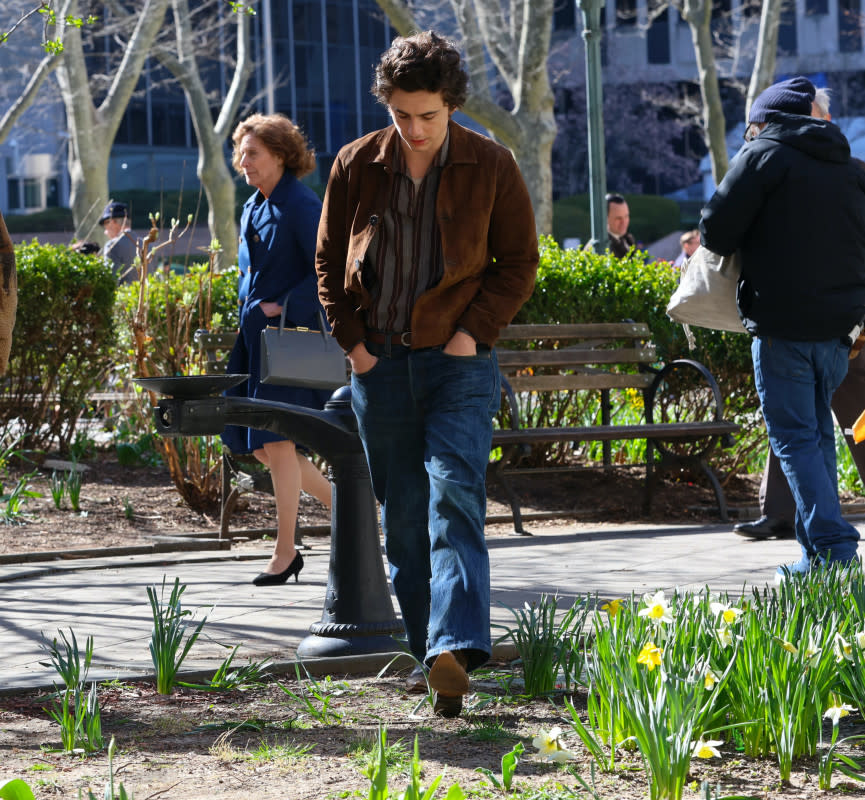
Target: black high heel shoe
[[278, 578]]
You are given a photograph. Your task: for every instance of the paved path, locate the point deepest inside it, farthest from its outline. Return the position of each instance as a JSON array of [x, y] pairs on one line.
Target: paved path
[[107, 598]]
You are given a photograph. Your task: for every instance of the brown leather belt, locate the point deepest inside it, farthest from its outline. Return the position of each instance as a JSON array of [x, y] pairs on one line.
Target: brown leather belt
[[392, 339]]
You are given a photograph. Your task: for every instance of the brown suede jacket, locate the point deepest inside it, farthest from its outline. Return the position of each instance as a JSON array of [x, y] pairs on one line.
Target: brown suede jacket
[[8, 294], [487, 228]]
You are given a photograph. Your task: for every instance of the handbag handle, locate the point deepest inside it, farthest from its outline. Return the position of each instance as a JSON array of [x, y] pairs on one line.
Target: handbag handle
[[282, 319]]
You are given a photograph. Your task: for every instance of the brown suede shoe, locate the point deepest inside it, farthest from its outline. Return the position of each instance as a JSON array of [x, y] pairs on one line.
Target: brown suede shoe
[[449, 679]]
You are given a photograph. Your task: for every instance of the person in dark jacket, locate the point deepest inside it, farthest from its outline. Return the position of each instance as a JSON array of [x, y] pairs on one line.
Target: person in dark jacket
[[777, 506], [618, 220], [275, 259], [801, 297]]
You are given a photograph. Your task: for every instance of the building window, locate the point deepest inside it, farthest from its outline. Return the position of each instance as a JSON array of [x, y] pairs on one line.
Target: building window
[[626, 13], [52, 193], [565, 15], [658, 39], [787, 31], [816, 7], [32, 193], [849, 26], [13, 187]]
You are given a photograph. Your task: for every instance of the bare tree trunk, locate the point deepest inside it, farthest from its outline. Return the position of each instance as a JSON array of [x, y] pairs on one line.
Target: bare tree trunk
[[92, 129], [767, 52], [698, 15], [212, 169], [517, 38]]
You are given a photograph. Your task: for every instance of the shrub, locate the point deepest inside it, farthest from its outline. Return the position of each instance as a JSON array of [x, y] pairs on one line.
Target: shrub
[[580, 286], [61, 344], [159, 323], [178, 304]]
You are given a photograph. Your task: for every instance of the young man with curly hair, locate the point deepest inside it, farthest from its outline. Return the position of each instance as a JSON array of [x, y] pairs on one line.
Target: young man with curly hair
[[426, 250]]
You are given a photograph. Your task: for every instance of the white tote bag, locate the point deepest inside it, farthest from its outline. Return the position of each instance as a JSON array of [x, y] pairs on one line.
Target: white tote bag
[[706, 295]]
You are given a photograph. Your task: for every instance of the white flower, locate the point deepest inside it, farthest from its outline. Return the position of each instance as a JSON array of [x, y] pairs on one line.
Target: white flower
[[812, 652], [725, 638], [656, 608], [706, 749], [860, 640], [837, 710], [549, 746], [709, 680], [843, 649]]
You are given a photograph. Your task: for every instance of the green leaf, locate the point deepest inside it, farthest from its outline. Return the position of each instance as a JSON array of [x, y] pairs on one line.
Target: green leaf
[[16, 789]]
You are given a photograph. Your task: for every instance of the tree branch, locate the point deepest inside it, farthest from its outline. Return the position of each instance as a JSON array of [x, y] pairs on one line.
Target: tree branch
[[46, 66], [400, 16], [150, 20], [239, 80]]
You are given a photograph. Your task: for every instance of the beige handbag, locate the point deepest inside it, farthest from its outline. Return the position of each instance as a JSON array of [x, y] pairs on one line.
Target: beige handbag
[[706, 295]]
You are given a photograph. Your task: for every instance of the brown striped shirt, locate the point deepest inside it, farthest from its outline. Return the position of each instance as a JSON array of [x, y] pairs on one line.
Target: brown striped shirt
[[405, 254]]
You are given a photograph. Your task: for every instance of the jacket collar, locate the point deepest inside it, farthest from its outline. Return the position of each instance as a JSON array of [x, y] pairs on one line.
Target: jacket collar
[[280, 192], [460, 147]]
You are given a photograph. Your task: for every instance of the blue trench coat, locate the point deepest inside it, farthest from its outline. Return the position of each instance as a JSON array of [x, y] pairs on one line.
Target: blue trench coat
[[276, 257]]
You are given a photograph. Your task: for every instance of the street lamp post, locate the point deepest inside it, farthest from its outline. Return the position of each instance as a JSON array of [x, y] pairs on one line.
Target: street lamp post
[[591, 11]]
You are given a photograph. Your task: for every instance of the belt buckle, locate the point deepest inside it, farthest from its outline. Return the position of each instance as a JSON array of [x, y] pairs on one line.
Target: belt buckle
[[405, 338]]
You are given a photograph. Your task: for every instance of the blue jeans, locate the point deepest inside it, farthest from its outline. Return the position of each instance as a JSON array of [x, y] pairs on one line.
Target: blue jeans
[[425, 419], [796, 381]]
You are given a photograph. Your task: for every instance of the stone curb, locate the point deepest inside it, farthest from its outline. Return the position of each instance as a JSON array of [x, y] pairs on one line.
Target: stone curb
[[316, 667]]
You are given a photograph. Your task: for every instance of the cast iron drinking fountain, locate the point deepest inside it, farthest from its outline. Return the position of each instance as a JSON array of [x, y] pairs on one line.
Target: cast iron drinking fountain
[[358, 615]]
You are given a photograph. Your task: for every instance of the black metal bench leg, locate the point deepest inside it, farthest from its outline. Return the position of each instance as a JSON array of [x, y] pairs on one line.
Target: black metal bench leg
[[651, 477], [512, 499], [718, 489]]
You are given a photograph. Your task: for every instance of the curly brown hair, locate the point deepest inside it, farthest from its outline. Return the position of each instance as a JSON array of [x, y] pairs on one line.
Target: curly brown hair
[[281, 137], [423, 62]]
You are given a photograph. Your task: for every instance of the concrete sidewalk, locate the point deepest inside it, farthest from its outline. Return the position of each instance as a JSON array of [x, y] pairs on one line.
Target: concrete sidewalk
[[107, 598]]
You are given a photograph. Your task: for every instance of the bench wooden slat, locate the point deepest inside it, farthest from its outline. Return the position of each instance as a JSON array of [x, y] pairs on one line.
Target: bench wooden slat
[[588, 330], [574, 357], [552, 383], [602, 433], [212, 341]]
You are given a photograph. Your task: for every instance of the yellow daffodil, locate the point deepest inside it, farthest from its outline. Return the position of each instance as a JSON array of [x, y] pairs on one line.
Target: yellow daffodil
[[706, 749], [837, 710], [549, 746], [650, 655], [612, 608], [725, 638], [843, 649], [728, 613], [710, 679], [656, 608]]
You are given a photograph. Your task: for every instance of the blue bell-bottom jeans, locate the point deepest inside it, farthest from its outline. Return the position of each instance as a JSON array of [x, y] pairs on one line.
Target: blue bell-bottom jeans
[[795, 382], [425, 419]]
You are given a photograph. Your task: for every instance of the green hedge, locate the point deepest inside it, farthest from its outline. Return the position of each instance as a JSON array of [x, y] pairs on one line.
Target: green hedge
[[652, 217], [579, 286], [51, 220], [62, 343]]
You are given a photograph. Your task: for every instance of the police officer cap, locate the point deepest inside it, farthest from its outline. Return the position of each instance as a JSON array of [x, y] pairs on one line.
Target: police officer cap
[[114, 210]]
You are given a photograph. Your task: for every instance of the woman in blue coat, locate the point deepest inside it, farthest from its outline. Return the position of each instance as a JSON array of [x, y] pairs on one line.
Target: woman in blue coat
[[276, 257]]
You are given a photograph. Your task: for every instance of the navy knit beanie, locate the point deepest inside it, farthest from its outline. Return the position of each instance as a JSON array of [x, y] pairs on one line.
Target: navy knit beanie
[[793, 96]]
